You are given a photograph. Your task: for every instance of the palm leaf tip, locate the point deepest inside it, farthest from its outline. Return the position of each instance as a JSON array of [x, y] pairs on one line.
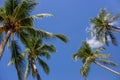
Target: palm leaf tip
[[42, 15], [44, 65], [62, 37], [75, 57], [107, 62]]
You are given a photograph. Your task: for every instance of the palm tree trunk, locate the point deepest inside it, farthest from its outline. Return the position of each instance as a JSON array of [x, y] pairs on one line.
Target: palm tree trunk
[[35, 70], [113, 71], [3, 43]]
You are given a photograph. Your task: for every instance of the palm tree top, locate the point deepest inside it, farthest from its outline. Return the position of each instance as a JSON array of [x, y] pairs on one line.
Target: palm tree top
[[103, 28], [88, 56]]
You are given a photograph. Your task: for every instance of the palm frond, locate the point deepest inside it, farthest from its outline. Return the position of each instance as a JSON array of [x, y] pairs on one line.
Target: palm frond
[[23, 8], [28, 68], [25, 52], [26, 22], [37, 43], [17, 58], [101, 56], [99, 49], [44, 53], [106, 40], [10, 5], [42, 15], [115, 28], [114, 18], [23, 38], [107, 62], [113, 39], [61, 37], [75, 56], [43, 65], [2, 14], [47, 47], [85, 69]]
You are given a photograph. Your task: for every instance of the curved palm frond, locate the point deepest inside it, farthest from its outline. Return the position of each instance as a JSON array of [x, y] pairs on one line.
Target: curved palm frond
[[44, 53], [61, 37], [114, 18], [25, 52], [85, 68], [102, 56], [27, 71], [41, 15], [49, 48], [107, 62], [23, 37], [10, 5], [23, 8], [17, 59], [44, 65]]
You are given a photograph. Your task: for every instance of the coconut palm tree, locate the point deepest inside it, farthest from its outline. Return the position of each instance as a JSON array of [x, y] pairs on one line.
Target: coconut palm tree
[[103, 28], [15, 18], [35, 50], [88, 56]]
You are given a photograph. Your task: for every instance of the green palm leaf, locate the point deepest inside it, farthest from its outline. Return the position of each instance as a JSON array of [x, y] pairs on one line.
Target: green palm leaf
[[44, 65], [17, 59], [27, 71], [85, 69], [61, 37], [107, 62]]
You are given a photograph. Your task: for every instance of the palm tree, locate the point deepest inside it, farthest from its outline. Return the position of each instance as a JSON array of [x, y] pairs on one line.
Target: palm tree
[[103, 27], [35, 50], [88, 56], [15, 18]]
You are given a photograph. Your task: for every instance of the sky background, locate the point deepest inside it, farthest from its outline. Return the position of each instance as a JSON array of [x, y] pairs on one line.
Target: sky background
[[72, 19]]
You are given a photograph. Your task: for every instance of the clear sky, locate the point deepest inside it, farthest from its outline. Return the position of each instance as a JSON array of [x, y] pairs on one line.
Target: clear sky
[[72, 19]]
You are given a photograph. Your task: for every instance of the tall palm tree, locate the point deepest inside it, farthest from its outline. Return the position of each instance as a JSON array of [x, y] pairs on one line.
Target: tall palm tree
[[15, 18], [103, 27], [35, 50], [88, 56]]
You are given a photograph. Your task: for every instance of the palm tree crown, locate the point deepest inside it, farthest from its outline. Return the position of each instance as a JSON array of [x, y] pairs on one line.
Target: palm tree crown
[[88, 56], [103, 28], [35, 50], [16, 19]]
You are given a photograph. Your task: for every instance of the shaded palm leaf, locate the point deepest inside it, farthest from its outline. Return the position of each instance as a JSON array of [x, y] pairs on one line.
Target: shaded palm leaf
[[102, 56], [17, 59], [107, 62], [44, 65], [61, 37], [114, 18], [27, 71], [85, 69]]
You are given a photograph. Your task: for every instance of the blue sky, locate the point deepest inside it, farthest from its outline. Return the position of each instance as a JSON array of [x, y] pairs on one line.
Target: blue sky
[[72, 19]]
